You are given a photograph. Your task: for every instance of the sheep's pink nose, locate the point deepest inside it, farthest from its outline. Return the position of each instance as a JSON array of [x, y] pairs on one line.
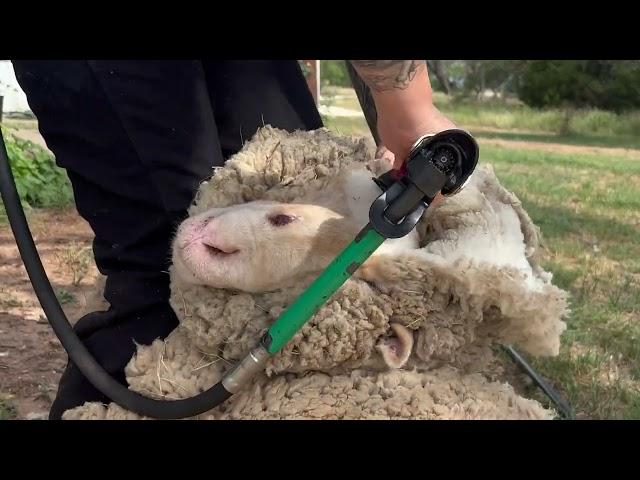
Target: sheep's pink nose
[[193, 232], [214, 238], [209, 227], [217, 244]]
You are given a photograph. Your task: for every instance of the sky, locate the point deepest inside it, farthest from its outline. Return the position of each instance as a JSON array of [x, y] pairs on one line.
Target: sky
[[14, 98]]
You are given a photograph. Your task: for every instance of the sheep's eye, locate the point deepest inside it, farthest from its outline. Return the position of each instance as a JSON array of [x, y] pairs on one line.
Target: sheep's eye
[[280, 220]]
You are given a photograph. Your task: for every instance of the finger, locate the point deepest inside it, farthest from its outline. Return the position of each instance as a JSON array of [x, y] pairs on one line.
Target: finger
[[439, 198]]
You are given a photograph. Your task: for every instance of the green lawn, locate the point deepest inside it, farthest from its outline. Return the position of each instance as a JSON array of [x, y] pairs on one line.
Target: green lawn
[[347, 125], [588, 208], [512, 121], [520, 117], [587, 205], [613, 141]]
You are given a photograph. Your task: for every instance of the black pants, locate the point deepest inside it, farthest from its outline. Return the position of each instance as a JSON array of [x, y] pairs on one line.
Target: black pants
[[136, 139]]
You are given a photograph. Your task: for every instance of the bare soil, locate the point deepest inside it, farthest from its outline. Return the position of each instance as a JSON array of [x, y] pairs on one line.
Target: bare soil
[[31, 357]]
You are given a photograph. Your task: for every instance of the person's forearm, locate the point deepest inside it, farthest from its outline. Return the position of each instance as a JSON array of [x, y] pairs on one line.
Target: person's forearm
[[386, 75], [403, 100], [397, 84]]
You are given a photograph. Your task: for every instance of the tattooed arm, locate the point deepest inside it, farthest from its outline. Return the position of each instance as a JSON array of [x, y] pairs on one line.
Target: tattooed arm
[[385, 75], [403, 102]]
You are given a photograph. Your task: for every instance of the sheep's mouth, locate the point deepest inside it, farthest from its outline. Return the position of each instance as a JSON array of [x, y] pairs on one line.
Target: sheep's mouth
[[219, 252]]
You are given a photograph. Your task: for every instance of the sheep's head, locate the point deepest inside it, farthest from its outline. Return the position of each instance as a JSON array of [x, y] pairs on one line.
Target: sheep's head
[[258, 246], [263, 245]]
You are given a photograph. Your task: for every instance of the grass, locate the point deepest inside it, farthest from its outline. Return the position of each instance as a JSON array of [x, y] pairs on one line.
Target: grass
[[8, 299], [582, 202], [513, 121], [76, 260], [65, 297], [347, 125], [7, 410], [617, 141], [358, 126], [588, 208], [497, 115], [587, 205]]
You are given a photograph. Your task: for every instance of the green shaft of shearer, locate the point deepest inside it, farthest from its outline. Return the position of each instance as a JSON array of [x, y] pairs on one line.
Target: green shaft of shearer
[[317, 294]]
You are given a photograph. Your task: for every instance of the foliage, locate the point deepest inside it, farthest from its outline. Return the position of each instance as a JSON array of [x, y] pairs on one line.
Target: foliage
[[334, 72], [603, 84], [40, 182]]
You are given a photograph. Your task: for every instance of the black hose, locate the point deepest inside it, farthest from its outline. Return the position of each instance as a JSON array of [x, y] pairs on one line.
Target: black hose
[[80, 356], [563, 406]]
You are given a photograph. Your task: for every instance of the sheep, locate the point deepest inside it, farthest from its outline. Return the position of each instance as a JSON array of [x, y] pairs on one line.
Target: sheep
[[410, 335]]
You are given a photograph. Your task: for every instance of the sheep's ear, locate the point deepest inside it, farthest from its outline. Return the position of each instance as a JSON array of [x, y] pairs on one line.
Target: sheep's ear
[[396, 349]]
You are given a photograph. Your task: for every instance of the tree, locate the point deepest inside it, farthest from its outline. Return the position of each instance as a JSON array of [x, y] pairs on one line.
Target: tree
[[604, 84], [334, 72], [494, 75], [438, 69]]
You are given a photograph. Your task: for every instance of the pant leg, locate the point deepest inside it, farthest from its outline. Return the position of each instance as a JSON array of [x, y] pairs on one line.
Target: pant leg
[[247, 95], [136, 138]]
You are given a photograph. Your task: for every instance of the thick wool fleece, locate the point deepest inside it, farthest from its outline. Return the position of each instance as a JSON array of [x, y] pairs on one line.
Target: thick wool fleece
[[474, 282]]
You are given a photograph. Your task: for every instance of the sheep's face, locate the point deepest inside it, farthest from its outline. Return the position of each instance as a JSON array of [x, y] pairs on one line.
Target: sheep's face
[[258, 246]]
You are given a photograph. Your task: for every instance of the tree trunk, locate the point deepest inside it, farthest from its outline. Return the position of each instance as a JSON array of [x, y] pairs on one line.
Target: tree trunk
[[311, 77], [483, 83], [437, 67]]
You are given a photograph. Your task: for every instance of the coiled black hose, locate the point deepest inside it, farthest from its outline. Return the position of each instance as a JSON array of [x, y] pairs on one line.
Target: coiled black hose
[[78, 353]]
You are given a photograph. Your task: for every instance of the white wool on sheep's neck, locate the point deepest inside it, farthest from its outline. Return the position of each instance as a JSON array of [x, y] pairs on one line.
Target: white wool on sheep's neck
[[499, 242]]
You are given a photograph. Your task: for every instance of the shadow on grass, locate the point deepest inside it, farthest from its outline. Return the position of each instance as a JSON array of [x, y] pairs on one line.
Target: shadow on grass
[[558, 222]]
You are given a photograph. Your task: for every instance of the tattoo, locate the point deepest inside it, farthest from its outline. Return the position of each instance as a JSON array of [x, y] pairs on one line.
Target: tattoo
[[383, 75]]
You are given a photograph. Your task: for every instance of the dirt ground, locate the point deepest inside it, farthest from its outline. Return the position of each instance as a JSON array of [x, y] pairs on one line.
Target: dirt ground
[[561, 148], [31, 357], [30, 134]]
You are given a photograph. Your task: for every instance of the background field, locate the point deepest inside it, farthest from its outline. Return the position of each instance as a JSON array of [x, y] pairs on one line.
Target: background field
[[583, 189]]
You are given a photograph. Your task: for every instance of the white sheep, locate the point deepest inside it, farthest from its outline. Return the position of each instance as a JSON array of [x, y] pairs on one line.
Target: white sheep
[[409, 336]]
